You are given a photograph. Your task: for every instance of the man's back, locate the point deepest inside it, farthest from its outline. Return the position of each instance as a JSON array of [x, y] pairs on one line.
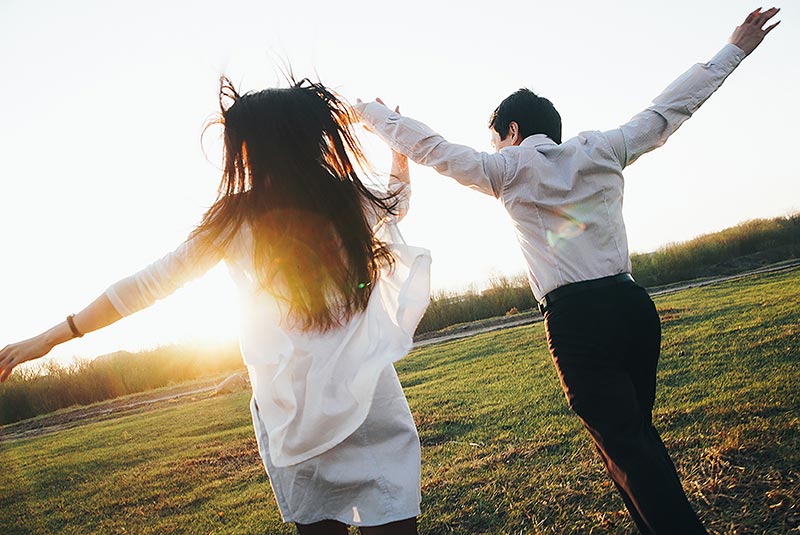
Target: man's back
[[565, 202]]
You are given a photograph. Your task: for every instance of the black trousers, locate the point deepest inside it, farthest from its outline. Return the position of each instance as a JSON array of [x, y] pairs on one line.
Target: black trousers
[[605, 344]]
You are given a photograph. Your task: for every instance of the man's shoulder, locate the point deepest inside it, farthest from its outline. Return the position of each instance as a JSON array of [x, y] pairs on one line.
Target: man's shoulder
[[588, 146], [589, 140], [589, 136], [542, 142]]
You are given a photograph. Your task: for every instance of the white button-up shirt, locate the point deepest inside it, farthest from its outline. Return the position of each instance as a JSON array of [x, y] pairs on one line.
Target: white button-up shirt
[[312, 389], [565, 200]]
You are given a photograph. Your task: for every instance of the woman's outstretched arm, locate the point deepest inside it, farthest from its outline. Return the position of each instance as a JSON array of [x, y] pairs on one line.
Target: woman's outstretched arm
[[96, 315], [123, 298]]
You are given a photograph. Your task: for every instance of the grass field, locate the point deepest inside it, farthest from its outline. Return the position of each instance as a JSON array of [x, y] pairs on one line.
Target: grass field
[[501, 452]]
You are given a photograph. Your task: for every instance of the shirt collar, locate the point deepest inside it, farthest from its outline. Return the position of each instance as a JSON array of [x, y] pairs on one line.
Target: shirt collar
[[535, 140]]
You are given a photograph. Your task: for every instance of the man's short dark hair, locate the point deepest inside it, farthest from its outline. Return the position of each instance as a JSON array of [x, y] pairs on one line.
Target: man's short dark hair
[[532, 113]]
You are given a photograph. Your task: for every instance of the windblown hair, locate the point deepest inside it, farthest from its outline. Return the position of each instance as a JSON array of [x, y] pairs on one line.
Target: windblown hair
[[532, 113], [289, 175]]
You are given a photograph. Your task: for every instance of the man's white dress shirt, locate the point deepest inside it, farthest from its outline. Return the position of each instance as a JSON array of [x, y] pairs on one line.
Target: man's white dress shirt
[[565, 200]]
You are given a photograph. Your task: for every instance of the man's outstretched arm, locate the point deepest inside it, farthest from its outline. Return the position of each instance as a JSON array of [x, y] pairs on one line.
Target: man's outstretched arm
[[478, 170], [651, 128]]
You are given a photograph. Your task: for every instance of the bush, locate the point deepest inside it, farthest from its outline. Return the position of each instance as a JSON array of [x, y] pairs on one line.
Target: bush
[[56, 386], [450, 308], [692, 259]]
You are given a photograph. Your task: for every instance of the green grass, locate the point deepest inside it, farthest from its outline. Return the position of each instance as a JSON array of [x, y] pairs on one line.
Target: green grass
[[501, 452]]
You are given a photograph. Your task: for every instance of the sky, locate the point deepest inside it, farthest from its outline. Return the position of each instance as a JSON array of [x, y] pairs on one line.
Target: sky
[[102, 168]]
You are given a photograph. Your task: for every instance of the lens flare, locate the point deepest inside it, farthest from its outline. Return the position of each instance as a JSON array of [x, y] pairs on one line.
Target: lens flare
[[571, 226]]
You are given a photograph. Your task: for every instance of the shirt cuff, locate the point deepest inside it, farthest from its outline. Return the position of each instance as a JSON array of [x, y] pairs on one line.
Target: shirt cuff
[[729, 57], [372, 113], [117, 302]]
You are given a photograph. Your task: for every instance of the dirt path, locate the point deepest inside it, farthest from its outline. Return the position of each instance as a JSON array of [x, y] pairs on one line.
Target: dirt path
[[74, 417], [787, 265], [150, 401]]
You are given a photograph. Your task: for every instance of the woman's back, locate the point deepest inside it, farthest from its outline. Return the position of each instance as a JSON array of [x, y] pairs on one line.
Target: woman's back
[[313, 387]]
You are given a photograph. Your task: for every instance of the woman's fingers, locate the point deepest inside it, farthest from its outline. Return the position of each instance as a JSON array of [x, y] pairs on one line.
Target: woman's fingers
[[6, 373], [13, 355], [7, 363]]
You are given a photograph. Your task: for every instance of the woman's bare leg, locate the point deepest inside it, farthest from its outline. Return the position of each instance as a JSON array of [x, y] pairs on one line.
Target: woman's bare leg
[[326, 527], [401, 527]]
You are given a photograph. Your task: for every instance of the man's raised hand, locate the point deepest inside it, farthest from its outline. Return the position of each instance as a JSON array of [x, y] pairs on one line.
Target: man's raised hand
[[751, 32]]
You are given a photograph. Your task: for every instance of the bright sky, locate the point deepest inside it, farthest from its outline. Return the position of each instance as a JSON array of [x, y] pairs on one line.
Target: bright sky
[[103, 172]]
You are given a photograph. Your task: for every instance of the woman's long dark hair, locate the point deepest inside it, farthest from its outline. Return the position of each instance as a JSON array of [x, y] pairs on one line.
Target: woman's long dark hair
[[289, 174]]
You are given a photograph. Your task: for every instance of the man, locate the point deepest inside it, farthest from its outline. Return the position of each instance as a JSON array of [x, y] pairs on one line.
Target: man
[[565, 201]]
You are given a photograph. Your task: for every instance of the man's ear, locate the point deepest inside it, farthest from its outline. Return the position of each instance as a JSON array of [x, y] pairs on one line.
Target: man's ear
[[513, 131]]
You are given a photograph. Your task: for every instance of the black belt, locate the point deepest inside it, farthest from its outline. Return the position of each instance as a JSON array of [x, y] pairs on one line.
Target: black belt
[[577, 287]]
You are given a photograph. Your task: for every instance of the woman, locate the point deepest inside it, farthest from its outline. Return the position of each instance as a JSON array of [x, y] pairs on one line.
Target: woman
[[331, 297]]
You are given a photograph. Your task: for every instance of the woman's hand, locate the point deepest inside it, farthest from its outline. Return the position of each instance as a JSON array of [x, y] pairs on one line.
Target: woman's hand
[[14, 354], [399, 172], [750, 34], [98, 314]]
